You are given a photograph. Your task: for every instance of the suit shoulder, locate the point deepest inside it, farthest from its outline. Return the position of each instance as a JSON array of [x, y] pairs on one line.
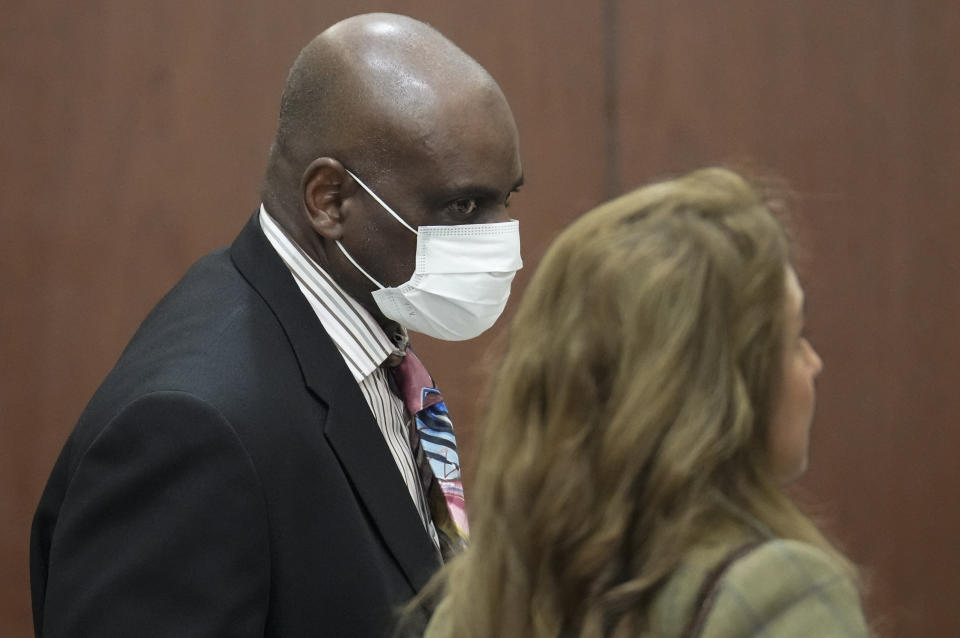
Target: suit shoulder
[[207, 336]]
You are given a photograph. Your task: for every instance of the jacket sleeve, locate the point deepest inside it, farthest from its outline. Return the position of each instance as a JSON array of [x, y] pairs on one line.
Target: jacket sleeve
[[786, 589], [163, 530]]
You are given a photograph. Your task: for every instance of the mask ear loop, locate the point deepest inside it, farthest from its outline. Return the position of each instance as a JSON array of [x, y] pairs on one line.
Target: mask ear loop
[[382, 203], [357, 266]]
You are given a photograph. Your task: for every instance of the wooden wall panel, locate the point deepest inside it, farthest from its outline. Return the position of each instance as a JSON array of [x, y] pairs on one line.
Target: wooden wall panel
[[134, 135], [857, 105]]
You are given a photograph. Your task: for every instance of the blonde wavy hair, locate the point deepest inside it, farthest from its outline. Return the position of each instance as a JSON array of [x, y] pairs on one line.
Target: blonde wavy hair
[[642, 366]]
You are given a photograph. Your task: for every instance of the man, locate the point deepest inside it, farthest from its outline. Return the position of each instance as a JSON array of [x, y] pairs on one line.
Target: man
[[250, 467]]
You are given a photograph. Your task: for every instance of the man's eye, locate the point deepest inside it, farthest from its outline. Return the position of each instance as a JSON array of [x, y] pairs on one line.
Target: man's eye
[[463, 208]]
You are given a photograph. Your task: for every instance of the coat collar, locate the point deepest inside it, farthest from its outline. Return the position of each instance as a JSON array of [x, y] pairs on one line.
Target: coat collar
[[350, 427]]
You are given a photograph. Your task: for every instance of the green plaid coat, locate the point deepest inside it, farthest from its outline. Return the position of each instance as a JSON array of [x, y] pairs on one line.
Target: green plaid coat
[[780, 589]]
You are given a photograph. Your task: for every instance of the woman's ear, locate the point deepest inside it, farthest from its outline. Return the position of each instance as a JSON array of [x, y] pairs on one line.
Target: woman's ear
[[321, 186]]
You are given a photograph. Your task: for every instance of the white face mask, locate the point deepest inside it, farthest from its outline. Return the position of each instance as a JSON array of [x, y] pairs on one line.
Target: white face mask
[[461, 281]]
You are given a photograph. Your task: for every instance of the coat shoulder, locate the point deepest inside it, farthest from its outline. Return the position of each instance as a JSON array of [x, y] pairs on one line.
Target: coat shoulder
[[786, 588]]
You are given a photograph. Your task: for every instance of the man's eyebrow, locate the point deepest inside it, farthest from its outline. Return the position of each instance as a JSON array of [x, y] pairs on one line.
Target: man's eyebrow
[[480, 191]]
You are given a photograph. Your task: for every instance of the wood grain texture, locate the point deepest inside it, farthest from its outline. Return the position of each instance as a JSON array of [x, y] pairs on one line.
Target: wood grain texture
[[134, 137]]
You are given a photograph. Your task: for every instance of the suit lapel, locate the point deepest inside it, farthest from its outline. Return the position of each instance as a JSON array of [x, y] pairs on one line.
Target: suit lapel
[[350, 427]]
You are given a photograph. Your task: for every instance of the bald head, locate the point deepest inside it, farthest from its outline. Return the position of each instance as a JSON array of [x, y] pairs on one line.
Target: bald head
[[390, 101], [367, 89]]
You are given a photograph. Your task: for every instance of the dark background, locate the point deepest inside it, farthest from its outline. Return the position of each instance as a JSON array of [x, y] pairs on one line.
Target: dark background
[[133, 136]]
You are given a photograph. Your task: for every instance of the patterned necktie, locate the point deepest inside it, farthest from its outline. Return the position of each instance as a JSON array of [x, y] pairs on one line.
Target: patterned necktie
[[434, 452]]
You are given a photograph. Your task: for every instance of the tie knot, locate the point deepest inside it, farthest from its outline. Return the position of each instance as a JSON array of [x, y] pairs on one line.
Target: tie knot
[[412, 381]]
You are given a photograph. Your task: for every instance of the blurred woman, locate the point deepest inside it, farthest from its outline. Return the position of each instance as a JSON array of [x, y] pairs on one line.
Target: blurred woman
[[655, 400]]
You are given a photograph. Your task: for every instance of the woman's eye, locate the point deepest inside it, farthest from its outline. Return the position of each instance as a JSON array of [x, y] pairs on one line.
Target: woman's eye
[[463, 207]]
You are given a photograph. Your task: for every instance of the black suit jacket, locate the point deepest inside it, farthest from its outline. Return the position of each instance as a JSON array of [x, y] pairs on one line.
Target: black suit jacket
[[227, 478]]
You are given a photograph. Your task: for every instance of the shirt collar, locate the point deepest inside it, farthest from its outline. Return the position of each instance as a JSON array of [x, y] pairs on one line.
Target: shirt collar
[[361, 341]]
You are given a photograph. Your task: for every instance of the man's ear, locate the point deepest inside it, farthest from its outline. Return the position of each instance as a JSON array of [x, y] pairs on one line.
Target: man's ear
[[322, 185]]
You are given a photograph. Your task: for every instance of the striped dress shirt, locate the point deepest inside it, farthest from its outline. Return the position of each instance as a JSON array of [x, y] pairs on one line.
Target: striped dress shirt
[[364, 347]]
